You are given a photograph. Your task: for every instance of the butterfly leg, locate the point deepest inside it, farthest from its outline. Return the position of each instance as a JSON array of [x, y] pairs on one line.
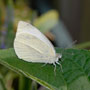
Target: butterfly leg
[[60, 65], [54, 68]]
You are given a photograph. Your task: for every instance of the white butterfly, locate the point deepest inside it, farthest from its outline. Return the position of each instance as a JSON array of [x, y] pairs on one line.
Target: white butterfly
[[32, 46]]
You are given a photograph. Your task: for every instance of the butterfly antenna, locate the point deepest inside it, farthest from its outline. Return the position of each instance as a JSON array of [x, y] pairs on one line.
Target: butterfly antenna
[[44, 65]]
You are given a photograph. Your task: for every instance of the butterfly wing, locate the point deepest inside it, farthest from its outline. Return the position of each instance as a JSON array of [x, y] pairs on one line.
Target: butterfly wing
[[31, 45]]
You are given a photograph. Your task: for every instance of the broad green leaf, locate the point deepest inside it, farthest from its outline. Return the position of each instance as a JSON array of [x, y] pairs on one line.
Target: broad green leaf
[[75, 65]]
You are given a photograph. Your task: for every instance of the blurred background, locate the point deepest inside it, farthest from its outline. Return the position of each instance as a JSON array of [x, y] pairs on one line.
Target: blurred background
[[64, 22]]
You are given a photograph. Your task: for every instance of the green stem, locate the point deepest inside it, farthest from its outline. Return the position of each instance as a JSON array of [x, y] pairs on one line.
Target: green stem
[[24, 83], [82, 45], [2, 83]]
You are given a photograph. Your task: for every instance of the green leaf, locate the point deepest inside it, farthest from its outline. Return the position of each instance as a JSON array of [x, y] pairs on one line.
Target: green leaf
[[75, 65]]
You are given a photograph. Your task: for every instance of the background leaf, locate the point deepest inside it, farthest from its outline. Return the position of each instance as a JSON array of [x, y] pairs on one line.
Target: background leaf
[[75, 75]]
